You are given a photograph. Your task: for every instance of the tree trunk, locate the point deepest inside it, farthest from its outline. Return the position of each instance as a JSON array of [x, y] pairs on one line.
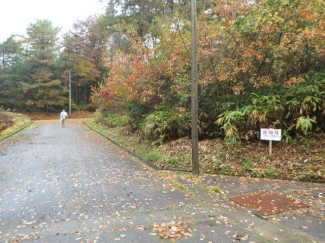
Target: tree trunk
[[76, 98], [171, 5]]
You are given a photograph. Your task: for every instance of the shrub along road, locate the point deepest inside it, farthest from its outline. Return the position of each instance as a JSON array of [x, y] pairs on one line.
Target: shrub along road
[[70, 185]]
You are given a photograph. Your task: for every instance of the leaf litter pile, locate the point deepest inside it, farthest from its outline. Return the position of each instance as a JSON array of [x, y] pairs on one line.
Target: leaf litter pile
[[172, 230], [295, 161]]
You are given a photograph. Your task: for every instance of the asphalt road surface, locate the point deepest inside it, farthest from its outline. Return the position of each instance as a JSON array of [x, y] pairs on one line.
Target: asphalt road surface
[[71, 185]]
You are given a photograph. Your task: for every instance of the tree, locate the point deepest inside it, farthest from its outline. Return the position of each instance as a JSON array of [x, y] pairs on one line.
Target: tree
[[10, 80], [10, 52], [43, 88], [84, 51]]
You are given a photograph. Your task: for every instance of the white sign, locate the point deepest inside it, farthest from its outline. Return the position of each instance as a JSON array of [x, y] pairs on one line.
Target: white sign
[[271, 134]]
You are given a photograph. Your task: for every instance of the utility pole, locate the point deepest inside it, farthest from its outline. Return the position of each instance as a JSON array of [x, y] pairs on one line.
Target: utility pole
[[194, 92], [69, 94]]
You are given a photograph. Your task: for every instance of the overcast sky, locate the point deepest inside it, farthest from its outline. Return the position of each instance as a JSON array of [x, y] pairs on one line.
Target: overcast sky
[[16, 15]]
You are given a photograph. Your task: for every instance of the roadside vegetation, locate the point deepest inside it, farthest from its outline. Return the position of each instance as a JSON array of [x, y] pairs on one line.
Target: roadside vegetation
[[301, 160], [260, 66], [11, 122]]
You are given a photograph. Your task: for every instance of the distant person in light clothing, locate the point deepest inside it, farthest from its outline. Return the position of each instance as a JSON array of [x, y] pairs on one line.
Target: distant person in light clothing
[[63, 117]]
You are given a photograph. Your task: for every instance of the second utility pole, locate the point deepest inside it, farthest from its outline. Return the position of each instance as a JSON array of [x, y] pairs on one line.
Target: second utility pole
[[69, 94]]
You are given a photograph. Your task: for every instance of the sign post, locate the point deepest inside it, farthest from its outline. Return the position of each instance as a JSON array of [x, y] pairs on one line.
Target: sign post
[[270, 134]]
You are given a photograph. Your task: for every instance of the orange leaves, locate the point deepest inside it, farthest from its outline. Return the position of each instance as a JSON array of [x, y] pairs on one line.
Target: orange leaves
[[226, 9], [54, 93], [263, 81], [268, 43], [307, 15], [238, 89], [29, 103], [294, 81], [143, 76], [243, 46], [129, 74], [42, 75], [172, 231]]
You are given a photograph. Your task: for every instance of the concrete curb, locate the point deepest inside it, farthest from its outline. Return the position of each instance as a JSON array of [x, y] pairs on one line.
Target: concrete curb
[[147, 162], [17, 131]]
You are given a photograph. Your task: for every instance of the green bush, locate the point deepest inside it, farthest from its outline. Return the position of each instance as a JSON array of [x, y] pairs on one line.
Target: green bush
[[153, 156], [165, 125], [171, 161], [247, 165], [217, 165], [269, 171], [297, 110], [109, 119]]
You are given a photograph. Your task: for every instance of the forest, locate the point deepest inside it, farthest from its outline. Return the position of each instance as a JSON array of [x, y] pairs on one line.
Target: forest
[[261, 64]]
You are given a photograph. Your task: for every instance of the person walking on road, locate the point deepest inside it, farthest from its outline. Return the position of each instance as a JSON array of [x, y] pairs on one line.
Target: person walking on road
[[63, 117]]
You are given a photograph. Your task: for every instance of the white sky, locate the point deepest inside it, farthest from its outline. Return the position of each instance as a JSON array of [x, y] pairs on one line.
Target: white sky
[[16, 15]]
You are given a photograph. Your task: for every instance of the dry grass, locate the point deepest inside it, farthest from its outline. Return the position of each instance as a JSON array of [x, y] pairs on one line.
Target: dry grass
[[5, 121], [17, 121]]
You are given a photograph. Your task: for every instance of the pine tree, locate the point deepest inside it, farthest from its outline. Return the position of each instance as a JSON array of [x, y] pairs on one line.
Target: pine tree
[[44, 89], [10, 80]]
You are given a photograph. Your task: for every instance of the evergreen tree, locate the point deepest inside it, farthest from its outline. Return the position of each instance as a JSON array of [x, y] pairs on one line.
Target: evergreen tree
[[10, 80], [44, 89]]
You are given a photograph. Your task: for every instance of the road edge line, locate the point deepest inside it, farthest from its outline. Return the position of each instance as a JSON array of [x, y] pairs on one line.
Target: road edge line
[[147, 162]]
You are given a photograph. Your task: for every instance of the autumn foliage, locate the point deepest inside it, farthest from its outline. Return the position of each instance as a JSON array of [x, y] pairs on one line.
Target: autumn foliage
[[260, 65]]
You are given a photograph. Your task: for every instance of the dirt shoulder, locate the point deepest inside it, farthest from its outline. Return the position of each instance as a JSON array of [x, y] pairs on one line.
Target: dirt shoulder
[[301, 160]]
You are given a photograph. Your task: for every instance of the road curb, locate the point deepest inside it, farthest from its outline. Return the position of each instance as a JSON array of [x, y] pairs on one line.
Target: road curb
[[17, 131], [147, 162]]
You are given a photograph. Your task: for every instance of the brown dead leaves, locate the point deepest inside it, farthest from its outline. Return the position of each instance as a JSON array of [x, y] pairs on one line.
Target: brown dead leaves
[[172, 230], [296, 160]]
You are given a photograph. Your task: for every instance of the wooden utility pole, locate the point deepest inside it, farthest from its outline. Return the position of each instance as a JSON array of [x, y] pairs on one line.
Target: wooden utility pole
[[194, 92], [69, 94]]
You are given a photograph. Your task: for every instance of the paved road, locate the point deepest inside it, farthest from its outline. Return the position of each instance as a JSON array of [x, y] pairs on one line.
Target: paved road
[[70, 185]]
